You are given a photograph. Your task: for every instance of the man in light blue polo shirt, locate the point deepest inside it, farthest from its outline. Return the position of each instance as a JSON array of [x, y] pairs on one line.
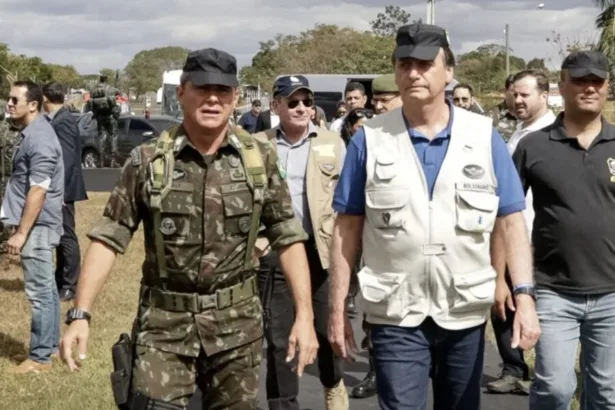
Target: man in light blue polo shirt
[[422, 188]]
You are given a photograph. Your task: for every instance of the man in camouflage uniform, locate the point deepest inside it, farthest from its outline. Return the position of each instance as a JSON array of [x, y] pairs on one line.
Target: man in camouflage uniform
[[8, 140], [503, 119], [200, 317], [106, 113]]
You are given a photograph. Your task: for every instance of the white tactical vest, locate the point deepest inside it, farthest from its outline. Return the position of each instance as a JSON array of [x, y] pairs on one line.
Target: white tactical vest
[[428, 258]]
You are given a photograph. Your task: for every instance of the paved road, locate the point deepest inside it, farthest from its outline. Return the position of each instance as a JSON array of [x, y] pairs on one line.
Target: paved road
[[311, 395]]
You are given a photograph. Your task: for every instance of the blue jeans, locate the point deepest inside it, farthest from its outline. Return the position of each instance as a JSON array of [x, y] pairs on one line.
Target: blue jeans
[[42, 293], [565, 320], [405, 358]]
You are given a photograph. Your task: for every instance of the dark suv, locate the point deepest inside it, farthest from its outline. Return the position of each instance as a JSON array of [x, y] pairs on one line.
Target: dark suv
[[131, 132]]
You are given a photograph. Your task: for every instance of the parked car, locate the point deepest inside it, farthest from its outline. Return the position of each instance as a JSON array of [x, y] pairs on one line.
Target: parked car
[[131, 132]]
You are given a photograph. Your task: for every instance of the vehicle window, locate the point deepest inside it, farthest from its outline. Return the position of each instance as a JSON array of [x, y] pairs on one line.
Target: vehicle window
[[328, 102], [139, 125], [121, 124], [162, 124]]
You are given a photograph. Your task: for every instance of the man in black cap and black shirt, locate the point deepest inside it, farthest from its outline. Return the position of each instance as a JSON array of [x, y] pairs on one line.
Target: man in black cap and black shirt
[[570, 168], [202, 190], [427, 281]]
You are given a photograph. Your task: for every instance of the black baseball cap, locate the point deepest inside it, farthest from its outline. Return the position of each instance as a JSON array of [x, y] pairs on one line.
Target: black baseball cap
[[420, 41], [287, 85], [583, 63], [210, 66]]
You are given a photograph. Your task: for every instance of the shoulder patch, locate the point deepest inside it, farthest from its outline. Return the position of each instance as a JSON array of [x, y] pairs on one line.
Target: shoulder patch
[[135, 156]]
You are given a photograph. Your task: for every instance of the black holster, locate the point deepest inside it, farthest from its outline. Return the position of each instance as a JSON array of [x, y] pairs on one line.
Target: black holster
[[122, 353]]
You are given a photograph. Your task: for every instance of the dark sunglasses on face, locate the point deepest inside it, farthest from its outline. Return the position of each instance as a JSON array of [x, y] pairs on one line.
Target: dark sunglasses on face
[[13, 100], [308, 102], [463, 99], [364, 114]]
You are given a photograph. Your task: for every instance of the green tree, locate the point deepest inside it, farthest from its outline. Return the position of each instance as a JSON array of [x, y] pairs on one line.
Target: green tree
[[387, 23], [537, 64], [348, 51], [144, 71], [65, 75]]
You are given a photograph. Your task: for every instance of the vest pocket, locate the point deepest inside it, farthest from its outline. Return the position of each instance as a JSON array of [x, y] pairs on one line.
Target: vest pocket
[[474, 291], [237, 203], [176, 211], [476, 211], [384, 208], [383, 293]]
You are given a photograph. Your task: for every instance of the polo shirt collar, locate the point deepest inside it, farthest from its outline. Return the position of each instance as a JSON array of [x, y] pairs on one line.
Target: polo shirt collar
[[558, 131], [445, 133], [311, 132]]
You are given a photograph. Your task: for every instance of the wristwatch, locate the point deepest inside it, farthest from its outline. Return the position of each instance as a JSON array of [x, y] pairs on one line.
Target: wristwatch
[[525, 290], [77, 314]]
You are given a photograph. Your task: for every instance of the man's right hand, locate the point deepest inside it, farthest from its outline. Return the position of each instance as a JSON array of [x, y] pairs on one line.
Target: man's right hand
[[341, 336], [503, 299], [76, 334]]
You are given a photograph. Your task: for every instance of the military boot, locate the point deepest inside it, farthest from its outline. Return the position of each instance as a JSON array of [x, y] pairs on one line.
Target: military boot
[[367, 387], [336, 398], [508, 384]]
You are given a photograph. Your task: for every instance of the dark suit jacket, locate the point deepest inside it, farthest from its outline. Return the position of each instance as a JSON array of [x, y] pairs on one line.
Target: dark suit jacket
[[65, 126], [263, 122]]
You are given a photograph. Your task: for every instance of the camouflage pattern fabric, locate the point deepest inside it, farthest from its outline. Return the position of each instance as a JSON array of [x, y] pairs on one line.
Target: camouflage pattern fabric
[[107, 138], [205, 220], [8, 141], [504, 121]]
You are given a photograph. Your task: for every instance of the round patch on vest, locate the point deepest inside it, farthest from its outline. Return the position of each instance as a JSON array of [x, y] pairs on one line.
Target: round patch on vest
[[244, 224], [473, 171], [234, 161], [167, 226]]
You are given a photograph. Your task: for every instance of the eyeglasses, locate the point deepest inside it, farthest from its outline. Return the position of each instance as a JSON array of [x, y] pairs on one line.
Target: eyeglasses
[[307, 102], [13, 100], [462, 99], [364, 113]]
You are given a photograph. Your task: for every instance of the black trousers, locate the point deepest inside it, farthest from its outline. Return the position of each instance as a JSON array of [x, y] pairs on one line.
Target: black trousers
[[513, 360], [282, 382], [68, 253]]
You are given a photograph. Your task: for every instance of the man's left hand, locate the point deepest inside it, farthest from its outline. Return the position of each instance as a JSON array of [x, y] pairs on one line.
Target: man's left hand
[[526, 327], [16, 243], [302, 336]]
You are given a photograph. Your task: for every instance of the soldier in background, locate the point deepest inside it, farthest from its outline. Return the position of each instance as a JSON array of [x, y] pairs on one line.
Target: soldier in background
[[8, 140], [503, 118], [106, 112]]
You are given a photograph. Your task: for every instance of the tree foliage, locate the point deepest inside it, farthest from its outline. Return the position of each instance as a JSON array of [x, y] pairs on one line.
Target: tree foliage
[[325, 49], [388, 22], [144, 71]]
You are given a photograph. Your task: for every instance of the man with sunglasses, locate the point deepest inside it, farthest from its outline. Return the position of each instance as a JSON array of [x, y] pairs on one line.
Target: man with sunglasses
[[422, 188], [310, 158]]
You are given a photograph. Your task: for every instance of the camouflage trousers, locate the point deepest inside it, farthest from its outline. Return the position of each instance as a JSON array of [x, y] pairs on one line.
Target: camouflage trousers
[[107, 136], [229, 380]]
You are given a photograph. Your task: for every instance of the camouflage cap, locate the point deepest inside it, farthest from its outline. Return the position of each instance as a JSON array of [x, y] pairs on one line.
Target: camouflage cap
[[384, 84]]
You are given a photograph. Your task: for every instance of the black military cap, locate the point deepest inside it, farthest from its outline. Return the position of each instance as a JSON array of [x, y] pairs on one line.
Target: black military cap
[[420, 41], [287, 85], [211, 66], [583, 63]]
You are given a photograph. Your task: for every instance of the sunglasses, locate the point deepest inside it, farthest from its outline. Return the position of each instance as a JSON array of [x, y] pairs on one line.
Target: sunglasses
[[13, 100], [364, 114], [308, 102]]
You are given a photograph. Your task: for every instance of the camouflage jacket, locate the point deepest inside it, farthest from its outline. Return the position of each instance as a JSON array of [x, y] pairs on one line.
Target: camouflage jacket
[[203, 220], [8, 141], [504, 121]]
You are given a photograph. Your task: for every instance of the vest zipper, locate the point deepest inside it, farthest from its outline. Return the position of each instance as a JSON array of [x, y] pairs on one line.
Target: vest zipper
[[428, 265]]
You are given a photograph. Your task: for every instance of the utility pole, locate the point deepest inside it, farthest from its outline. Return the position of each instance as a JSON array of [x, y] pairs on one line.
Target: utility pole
[[506, 30], [431, 11]]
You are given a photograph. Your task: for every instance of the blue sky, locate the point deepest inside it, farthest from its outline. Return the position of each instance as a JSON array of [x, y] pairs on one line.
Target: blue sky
[[109, 33]]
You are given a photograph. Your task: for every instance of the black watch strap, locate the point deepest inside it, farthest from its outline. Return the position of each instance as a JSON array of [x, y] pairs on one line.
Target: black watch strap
[[77, 314], [525, 290]]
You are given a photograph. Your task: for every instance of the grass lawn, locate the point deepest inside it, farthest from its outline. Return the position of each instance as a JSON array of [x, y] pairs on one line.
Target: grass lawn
[[113, 314]]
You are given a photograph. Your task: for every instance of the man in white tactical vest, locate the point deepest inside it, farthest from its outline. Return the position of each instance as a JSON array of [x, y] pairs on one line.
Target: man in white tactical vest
[[422, 188], [310, 159]]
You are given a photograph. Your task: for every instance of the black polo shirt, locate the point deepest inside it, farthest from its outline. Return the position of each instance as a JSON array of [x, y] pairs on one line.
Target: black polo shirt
[[574, 202]]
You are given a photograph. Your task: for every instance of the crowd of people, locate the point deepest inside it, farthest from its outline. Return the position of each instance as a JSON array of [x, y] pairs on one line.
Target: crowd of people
[[439, 217]]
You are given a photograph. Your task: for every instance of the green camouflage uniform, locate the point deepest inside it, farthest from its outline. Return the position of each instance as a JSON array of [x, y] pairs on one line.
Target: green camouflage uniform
[[106, 122], [205, 221], [504, 121], [8, 140]]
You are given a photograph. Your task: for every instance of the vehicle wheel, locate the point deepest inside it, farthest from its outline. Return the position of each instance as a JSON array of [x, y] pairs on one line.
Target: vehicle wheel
[[90, 159]]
